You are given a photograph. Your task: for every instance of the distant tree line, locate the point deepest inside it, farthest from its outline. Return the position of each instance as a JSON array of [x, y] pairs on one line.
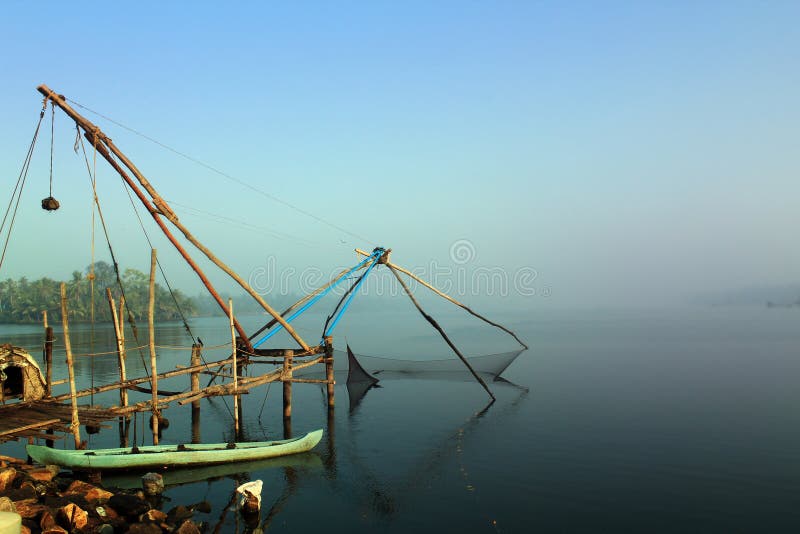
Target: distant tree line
[[23, 300]]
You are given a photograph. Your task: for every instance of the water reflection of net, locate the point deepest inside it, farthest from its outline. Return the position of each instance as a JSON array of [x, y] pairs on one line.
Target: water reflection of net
[[490, 364]]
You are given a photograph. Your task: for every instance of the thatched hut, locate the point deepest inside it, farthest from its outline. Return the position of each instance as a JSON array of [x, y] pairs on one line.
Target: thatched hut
[[20, 376]]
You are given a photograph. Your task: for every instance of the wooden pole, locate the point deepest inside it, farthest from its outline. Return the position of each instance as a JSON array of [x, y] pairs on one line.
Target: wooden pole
[[96, 137], [150, 321], [329, 369], [154, 213], [123, 392], [448, 297], [235, 373], [49, 338], [439, 329], [195, 379], [75, 425], [286, 377], [302, 301]]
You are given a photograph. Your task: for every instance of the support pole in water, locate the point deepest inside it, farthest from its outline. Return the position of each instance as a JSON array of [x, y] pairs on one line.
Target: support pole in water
[[195, 378], [286, 377], [150, 321], [75, 424], [439, 329], [235, 371], [49, 337], [123, 392], [329, 369]]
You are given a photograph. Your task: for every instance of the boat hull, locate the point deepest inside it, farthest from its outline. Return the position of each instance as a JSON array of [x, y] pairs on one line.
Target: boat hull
[[165, 456]]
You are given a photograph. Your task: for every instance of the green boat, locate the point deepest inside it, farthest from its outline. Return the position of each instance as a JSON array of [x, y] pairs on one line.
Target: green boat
[[162, 456]]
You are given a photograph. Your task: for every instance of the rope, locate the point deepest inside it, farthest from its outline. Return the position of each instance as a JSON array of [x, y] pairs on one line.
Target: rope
[[349, 295], [160, 268], [52, 141], [23, 174], [226, 175], [131, 319], [314, 300], [242, 224], [95, 201]]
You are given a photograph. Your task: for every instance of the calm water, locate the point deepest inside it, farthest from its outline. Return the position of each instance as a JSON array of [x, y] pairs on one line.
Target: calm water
[[680, 420]]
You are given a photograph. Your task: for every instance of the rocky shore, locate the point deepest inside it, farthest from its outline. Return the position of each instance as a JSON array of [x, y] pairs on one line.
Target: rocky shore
[[51, 502]]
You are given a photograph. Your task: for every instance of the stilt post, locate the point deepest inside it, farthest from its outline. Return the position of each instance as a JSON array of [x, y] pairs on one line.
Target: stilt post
[[195, 379], [151, 325], [287, 384], [49, 338], [235, 370], [123, 392], [329, 369], [75, 424]]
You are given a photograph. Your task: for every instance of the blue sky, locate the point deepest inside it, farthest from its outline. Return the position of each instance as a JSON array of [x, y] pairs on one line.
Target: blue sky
[[630, 152]]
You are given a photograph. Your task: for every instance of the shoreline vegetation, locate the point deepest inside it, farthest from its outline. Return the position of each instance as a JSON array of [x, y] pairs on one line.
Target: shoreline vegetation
[[22, 301]]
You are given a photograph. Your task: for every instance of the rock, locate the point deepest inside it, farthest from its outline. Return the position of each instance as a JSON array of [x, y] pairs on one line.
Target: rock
[[23, 529], [7, 505], [128, 505], [7, 476], [47, 521], [187, 527], [178, 515], [72, 517], [144, 528], [153, 484], [90, 492], [29, 510], [154, 516], [105, 529], [41, 474], [53, 469]]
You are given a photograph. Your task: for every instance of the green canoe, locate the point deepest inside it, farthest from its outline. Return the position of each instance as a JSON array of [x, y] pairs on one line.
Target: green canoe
[[173, 455]]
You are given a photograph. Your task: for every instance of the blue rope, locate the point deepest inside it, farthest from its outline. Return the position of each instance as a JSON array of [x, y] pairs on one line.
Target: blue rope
[[313, 301], [376, 255]]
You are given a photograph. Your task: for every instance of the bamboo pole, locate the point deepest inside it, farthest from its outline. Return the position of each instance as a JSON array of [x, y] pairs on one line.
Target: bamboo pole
[[123, 392], [303, 300], [235, 372], [448, 297], [243, 387], [141, 380], [154, 213], [286, 378], [97, 138], [150, 316], [195, 380], [329, 370], [438, 328], [49, 338], [162, 207], [75, 424]]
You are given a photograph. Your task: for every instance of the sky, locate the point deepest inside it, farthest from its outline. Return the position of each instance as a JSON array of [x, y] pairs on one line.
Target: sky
[[519, 153]]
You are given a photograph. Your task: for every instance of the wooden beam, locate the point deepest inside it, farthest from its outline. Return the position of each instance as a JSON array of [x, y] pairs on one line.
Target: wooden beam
[[31, 426], [439, 329], [448, 297]]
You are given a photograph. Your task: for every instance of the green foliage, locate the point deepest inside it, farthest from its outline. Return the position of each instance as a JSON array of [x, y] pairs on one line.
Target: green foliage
[[22, 301]]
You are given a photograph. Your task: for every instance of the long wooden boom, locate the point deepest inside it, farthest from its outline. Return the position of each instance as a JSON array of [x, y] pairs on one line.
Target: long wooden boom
[[158, 207]]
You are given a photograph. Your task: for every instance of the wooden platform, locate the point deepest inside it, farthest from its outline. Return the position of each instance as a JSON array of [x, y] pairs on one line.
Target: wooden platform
[[32, 419]]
